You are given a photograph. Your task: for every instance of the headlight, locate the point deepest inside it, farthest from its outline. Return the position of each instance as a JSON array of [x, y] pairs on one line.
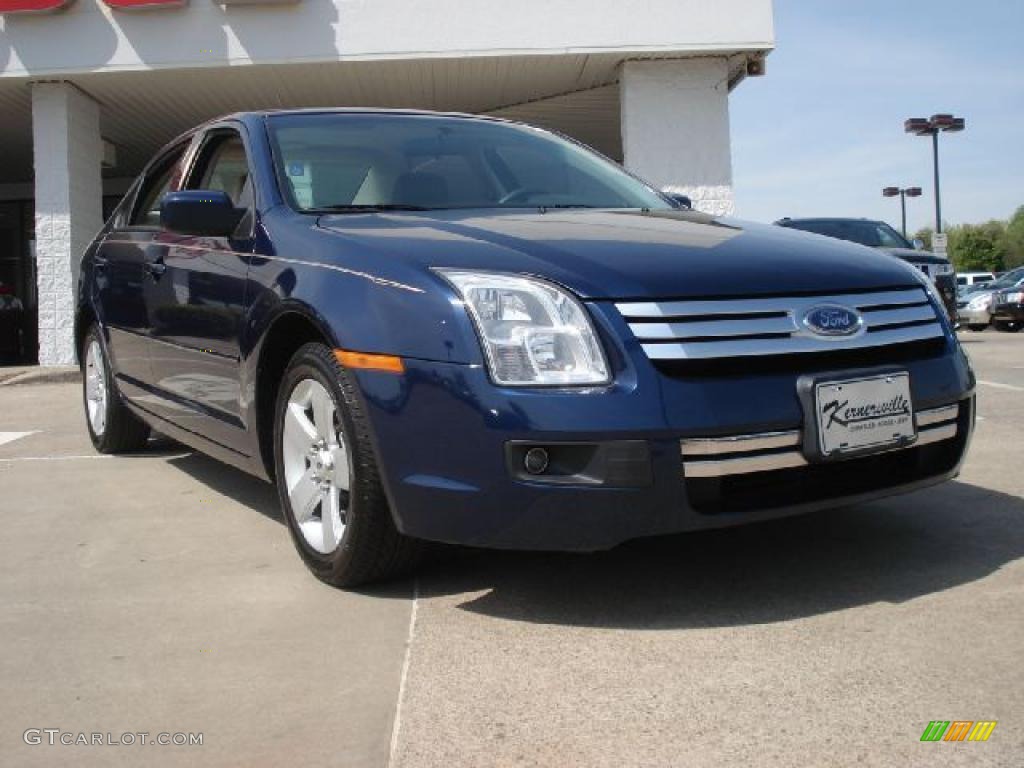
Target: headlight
[[980, 302], [532, 333]]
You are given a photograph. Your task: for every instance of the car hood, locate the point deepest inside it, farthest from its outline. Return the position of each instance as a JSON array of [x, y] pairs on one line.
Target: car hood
[[621, 254]]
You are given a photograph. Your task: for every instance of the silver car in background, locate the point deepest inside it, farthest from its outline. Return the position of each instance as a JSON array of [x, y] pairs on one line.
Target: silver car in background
[[974, 307]]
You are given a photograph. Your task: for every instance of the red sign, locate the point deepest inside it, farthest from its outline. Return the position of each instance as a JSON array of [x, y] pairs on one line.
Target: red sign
[[11, 7], [131, 5], [49, 6], [33, 6]]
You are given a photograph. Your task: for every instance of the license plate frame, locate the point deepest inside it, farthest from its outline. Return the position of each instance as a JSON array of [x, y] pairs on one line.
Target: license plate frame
[[837, 409]]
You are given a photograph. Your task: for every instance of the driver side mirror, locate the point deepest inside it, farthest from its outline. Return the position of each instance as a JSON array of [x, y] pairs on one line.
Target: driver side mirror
[[200, 212], [918, 244]]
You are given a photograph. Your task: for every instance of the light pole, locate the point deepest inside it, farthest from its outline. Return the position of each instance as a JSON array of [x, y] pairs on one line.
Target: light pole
[[932, 126], [904, 194]]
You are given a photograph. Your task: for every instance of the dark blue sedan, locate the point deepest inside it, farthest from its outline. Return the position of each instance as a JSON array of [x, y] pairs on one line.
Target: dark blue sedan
[[441, 327]]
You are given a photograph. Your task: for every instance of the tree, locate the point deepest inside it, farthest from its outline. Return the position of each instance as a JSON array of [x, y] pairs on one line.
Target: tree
[[978, 247], [1013, 240]]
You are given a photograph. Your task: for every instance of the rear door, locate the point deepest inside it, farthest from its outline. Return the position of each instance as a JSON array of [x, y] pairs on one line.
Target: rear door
[[196, 301], [123, 264]]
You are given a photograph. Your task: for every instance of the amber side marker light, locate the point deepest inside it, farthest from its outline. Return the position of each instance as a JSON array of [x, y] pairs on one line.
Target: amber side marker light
[[369, 362]]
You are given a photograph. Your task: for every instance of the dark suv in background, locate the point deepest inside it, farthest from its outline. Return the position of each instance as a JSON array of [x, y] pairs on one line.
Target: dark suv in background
[[878, 234]]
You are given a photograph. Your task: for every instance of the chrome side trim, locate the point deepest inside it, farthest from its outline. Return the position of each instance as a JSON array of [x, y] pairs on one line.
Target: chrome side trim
[[935, 415], [935, 434], [743, 465], [934, 425], [712, 446]]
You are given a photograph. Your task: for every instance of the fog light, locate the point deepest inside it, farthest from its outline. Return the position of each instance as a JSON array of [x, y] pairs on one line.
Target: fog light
[[536, 461]]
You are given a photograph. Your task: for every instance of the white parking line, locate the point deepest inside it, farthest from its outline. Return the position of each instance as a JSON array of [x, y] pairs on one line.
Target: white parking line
[[999, 385], [55, 458], [397, 725], [10, 437]]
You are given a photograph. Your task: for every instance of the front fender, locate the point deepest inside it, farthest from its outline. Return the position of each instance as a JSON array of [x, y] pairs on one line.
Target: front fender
[[363, 301]]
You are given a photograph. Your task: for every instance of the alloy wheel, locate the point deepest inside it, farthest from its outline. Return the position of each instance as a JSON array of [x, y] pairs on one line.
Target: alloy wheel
[[96, 388], [317, 466]]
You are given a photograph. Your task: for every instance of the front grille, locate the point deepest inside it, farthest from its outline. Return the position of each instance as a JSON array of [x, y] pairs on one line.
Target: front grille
[[767, 471], [753, 328]]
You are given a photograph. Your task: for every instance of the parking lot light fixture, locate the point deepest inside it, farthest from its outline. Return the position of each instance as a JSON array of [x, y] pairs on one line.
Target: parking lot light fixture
[[933, 126], [903, 193]]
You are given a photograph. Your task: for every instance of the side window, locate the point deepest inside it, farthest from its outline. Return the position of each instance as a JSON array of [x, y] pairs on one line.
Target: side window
[[164, 177], [222, 166]]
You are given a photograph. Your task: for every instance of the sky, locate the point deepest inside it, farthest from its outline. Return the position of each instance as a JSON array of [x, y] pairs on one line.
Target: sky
[[822, 132]]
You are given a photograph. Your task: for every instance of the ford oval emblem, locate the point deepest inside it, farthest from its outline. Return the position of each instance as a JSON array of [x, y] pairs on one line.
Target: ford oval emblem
[[832, 320]]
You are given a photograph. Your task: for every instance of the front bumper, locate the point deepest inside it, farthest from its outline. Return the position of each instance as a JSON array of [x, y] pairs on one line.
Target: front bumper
[[443, 434], [968, 316], [1008, 313]]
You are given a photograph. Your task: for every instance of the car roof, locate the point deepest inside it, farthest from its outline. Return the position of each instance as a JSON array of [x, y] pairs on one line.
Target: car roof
[[813, 219], [250, 115], [262, 113]]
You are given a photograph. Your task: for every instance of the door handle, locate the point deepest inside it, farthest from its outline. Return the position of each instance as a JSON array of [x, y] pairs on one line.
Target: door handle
[[156, 268]]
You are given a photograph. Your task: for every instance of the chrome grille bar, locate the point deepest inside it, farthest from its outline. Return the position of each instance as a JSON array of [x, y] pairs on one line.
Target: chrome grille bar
[[760, 452], [704, 350], [754, 304], [757, 326]]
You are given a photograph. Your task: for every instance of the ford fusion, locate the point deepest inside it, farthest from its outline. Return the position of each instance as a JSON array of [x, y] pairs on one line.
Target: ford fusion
[[450, 328]]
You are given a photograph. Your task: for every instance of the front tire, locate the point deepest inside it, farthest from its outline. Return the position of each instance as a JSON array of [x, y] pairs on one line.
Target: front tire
[[327, 476], [977, 327], [112, 427], [1007, 326]]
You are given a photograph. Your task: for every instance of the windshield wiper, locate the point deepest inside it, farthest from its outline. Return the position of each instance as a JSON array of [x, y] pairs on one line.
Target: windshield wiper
[[374, 208]]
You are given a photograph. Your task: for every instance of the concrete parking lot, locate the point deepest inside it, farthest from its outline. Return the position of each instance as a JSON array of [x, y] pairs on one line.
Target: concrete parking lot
[[160, 593]]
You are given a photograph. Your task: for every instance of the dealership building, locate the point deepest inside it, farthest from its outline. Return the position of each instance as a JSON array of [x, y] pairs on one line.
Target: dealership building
[[90, 89]]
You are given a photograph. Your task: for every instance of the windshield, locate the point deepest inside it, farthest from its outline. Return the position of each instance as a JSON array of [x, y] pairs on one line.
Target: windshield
[[423, 162], [876, 234], [1009, 280]]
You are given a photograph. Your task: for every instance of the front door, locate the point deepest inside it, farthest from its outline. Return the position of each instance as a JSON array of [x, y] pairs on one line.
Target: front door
[[124, 266], [196, 301]]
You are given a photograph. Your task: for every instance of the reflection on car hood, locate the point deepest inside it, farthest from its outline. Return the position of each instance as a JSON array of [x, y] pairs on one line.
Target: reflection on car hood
[[626, 254]]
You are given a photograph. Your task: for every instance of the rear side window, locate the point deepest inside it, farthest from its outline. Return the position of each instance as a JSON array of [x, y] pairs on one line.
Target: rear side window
[[163, 177]]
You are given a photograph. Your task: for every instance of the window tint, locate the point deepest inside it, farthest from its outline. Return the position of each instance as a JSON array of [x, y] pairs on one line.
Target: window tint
[[163, 178]]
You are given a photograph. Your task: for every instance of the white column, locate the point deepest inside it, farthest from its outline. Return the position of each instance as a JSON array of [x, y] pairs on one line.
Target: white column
[[68, 153], [675, 128]]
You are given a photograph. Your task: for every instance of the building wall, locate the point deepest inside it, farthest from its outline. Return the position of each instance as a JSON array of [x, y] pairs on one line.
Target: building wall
[[644, 80], [89, 36], [675, 128], [68, 207]]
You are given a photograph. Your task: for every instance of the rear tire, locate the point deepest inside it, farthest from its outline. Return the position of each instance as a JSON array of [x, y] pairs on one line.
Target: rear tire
[[112, 427], [328, 479], [1007, 327]]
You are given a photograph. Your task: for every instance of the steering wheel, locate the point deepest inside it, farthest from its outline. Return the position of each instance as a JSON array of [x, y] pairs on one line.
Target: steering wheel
[[518, 195]]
